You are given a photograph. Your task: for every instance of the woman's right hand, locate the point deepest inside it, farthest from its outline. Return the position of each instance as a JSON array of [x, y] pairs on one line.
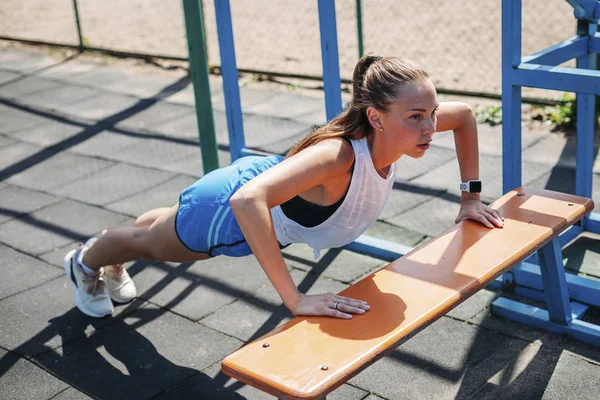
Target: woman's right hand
[[330, 305]]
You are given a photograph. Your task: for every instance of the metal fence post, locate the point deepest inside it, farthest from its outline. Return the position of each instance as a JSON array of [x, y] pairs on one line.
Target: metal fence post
[[81, 47], [194, 26], [359, 29]]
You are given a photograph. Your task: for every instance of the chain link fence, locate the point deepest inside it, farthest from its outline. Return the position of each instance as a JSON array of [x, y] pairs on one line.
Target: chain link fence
[[458, 42]]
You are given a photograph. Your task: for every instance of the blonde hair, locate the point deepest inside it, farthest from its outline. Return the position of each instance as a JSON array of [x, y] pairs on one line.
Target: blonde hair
[[376, 82]]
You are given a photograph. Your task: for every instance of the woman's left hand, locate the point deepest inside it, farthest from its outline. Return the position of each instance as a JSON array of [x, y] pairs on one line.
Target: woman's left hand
[[476, 210]]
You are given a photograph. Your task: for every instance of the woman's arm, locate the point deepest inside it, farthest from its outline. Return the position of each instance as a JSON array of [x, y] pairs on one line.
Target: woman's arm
[[460, 118], [251, 205]]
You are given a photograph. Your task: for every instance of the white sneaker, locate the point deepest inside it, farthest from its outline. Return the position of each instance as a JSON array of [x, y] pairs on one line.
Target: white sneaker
[[119, 285], [91, 296]]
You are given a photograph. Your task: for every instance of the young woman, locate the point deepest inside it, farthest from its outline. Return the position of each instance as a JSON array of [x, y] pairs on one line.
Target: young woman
[[329, 189]]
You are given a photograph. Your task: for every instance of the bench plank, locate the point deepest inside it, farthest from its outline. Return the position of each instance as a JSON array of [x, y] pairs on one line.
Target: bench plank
[[310, 356]]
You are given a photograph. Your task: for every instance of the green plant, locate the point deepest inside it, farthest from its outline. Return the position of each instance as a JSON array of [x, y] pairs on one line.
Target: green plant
[[564, 114], [490, 115]]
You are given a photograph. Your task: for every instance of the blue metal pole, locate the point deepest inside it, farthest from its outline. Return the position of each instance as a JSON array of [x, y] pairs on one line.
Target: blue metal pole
[[586, 104], [511, 95], [555, 283], [231, 88], [329, 53]]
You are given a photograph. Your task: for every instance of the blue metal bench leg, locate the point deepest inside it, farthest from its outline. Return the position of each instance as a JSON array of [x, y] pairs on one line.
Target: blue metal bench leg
[[558, 317]]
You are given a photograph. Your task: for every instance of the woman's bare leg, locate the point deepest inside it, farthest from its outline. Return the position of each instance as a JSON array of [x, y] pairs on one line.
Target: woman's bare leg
[[157, 241]]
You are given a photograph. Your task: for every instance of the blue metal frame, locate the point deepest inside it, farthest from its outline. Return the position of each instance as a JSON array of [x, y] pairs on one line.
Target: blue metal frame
[[548, 281]]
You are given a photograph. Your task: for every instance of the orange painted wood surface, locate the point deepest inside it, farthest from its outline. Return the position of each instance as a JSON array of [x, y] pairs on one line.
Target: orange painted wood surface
[[405, 297]]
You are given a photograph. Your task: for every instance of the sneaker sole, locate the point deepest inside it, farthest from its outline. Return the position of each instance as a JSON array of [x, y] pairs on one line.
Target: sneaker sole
[[80, 306]]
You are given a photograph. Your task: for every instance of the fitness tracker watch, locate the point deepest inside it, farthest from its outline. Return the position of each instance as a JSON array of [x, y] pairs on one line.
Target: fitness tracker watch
[[472, 186]]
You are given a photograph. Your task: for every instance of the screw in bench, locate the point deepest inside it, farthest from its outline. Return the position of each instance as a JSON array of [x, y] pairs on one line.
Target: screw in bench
[[324, 367], [265, 345], [570, 204], [520, 194]]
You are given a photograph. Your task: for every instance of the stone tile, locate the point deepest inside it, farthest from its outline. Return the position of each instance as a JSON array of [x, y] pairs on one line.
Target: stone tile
[[197, 290], [447, 360], [72, 394], [373, 397], [4, 141], [56, 226], [273, 135], [571, 376], [392, 233], [21, 379], [101, 106], [45, 318], [13, 119], [249, 97], [15, 154], [156, 153], [261, 311], [21, 272], [57, 170], [408, 168], [338, 264], [141, 355], [141, 85], [447, 176], [7, 76], [26, 86], [406, 196], [490, 139], [430, 218], [57, 98], [193, 166], [540, 372], [164, 195], [15, 201], [105, 144], [98, 76], [25, 62], [186, 126], [186, 95], [111, 184], [473, 305], [48, 132], [67, 69], [583, 255], [213, 384], [150, 115], [285, 105]]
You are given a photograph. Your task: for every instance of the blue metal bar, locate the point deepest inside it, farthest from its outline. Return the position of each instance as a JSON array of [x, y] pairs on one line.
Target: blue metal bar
[[231, 88], [585, 9], [586, 104], [558, 78], [555, 283], [539, 318], [511, 95], [329, 53], [594, 44], [592, 223], [583, 290], [568, 235], [378, 248], [561, 52]]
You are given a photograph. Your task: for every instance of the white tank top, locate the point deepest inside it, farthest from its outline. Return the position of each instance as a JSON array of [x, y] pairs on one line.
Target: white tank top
[[367, 195]]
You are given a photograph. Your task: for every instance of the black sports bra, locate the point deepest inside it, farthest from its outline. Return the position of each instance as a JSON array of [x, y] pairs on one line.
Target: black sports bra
[[309, 214]]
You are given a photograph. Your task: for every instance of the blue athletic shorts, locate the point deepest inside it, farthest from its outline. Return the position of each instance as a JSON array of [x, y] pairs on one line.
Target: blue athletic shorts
[[205, 222]]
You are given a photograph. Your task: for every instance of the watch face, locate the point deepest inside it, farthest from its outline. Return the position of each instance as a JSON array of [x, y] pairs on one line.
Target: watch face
[[475, 187]]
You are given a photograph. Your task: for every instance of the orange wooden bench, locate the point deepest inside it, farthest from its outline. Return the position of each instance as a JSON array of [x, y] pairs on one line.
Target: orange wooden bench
[[309, 357]]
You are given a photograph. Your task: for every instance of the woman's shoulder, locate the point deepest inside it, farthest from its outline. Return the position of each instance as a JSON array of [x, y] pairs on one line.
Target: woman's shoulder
[[339, 150]]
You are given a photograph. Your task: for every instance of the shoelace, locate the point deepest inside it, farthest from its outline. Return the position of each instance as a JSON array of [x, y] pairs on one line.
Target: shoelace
[[95, 283]]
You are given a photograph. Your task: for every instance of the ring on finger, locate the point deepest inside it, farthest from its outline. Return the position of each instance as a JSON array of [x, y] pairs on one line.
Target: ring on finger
[[335, 305]]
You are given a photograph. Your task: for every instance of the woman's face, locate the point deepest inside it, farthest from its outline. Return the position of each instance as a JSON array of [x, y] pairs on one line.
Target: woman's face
[[409, 123]]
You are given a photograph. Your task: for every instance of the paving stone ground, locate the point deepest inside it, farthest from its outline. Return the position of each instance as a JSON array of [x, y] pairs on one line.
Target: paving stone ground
[[85, 146]]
